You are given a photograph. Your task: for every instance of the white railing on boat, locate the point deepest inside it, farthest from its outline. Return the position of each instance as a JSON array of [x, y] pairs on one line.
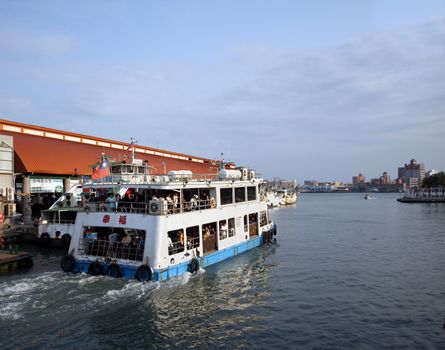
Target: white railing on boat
[[116, 250], [152, 179], [153, 207]]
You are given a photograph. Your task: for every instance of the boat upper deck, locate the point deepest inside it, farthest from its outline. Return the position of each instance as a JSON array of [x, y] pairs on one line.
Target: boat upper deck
[[129, 191]]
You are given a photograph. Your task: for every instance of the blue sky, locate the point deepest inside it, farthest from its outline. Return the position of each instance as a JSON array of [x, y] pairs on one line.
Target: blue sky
[[296, 89]]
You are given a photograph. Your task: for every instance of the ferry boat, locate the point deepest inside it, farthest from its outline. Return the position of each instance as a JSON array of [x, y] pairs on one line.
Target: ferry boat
[[134, 224], [56, 224]]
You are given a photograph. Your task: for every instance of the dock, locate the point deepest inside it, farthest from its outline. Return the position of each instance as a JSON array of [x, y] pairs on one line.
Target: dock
[[13, 261], [425, 195]]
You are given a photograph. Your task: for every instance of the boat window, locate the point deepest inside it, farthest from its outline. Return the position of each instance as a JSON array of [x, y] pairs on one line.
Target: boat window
[[226, 196], [231, 231], [251, 193], [263, 218], [222, 230], [68, 217], [116, 169], [175, 239], [209, 239], [192, 235], [253, 224], [240, 194], [129, 169], [246, 224], [141, 170]]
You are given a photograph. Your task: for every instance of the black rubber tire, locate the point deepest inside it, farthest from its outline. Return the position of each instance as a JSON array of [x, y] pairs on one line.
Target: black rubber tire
[[194, 265], [66, 240], [114, 270], [44, 239], [67, 263], [266, 237], [95, 269], [143, 273]]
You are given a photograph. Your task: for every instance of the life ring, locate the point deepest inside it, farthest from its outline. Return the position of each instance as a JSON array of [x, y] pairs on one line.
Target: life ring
[[194, 265], [95, 269], [67, 263], [212, 203], [114, 270], [143, 273]]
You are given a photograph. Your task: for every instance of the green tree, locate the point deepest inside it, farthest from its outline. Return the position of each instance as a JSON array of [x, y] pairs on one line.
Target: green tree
[[436, 180]]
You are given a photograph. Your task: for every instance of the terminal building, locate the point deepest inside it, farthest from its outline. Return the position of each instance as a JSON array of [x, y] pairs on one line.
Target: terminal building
[[38, 164]]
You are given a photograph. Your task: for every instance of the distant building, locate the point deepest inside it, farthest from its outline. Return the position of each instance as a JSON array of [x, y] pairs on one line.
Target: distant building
[[412, 174], [385, 179], [357, 180]]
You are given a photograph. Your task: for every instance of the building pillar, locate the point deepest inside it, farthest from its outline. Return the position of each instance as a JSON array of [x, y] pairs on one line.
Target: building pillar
[[26, 200], [66, 184]]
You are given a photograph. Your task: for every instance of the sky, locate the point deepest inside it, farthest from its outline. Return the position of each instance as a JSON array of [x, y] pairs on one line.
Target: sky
[[305, 90]]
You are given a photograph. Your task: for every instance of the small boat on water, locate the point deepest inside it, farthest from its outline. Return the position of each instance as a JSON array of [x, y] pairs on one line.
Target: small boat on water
[[133, 224], [272, 199], [287, 197], [56, 224], [368, 196]]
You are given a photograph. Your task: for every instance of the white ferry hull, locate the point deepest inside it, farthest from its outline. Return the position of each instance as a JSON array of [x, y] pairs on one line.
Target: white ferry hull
[[129, 271]]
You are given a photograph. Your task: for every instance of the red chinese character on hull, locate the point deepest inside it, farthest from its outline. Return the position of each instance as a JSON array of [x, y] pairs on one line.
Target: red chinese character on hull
[[106, 219], [123, 219]]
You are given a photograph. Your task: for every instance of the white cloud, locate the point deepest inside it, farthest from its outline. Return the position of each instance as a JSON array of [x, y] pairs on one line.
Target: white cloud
[[21, 42]]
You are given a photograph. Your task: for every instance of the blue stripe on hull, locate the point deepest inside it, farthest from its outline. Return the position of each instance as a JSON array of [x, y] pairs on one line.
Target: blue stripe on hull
[[179, 269]]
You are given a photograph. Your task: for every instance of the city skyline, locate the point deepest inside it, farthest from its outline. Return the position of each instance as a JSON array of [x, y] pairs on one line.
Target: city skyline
[[296, 90]]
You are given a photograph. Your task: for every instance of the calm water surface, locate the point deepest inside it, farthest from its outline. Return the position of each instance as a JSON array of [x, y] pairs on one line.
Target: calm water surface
[[345, 273]]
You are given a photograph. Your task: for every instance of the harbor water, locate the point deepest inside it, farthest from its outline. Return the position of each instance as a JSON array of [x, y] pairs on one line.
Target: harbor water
[[345, 273]]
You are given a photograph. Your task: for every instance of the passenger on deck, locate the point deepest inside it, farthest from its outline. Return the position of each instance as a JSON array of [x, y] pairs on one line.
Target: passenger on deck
[[175, 202], [181, 238], [169, 204], [126, 239], [111, 201], [114, 237]]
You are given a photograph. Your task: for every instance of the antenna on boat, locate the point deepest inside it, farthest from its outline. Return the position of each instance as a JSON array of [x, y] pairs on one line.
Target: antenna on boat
[[222, 161], [132, 143]]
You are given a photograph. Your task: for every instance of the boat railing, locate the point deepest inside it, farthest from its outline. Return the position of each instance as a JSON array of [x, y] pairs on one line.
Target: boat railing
[[57, 221], [435, 192], [175, 247], [152, 179], [153, 207], [115, 250]]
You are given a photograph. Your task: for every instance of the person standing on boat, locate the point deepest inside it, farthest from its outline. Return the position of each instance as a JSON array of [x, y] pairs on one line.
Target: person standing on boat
[[111, 201]]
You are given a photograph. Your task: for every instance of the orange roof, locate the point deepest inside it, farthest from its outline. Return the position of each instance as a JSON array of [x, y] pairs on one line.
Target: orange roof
[[50, 151]]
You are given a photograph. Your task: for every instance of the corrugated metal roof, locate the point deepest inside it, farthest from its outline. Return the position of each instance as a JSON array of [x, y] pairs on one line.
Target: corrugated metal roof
[[50, 151]]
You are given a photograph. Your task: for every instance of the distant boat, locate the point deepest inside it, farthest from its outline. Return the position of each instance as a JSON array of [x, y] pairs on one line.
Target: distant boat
[[368, 196], [272, 199], [287, 197]]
